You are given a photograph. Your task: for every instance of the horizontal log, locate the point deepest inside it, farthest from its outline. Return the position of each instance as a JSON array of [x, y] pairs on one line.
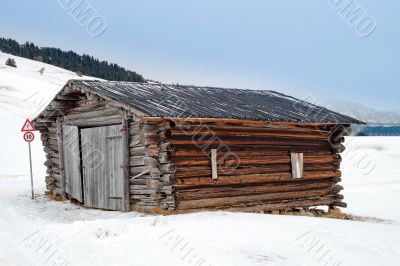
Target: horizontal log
[[52, 130], [151, 198], [51, 112], [137, 151], [152, 150], [135, 124], [135, 141], [229, 201], [134, 131], [167, 168], [167, 146], [154, 172], [168, 179], [99, 121], [338, 148], [249, 132], [164, 135], [233, 160], [338, 196], [137, 170], [237, 140], [87, 108], [47, 150], [196, 152], [61, 104], [52, 156], [52, 141], [254, 178], [45, 120], [68, 98], [137, 160], [51, 147], [141, 192], [151, 139], [205, 171], [242, 122], [336, 189], [164, 125], [250, 126], [222, 147], [229, 191], [151, 162], [94, 114], [137, 181], [86, 102], [339, 204], [164, 157], [277, 205]]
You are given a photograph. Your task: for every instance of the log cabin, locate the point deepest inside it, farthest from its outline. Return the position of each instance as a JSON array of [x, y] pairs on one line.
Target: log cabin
[[155, 148]]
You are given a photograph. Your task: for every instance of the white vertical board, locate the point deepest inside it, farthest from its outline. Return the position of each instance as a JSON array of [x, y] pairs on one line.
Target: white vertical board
[[297, 164], [214, 165]]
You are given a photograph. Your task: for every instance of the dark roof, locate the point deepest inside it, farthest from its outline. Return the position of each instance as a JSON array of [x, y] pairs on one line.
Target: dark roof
[[159, 100]]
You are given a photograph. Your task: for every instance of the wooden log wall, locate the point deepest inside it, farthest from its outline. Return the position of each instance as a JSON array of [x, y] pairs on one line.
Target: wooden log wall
[[170, 161], [150, 179], [72, 106], [150, 183], [254, 165], [49, 125]]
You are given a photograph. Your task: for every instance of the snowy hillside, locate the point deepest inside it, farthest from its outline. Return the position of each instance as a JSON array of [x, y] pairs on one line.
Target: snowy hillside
[[45, 232], [363, 113], [24, 92]]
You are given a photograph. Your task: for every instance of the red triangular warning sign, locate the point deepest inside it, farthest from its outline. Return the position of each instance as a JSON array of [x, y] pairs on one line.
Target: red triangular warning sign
[[28, 126]]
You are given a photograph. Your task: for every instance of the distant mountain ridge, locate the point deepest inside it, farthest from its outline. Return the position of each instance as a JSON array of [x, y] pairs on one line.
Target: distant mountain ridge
[[81, 64], [364, 113]]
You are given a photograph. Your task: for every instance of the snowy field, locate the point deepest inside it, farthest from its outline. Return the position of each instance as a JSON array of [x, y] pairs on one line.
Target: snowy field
[[43, 232]]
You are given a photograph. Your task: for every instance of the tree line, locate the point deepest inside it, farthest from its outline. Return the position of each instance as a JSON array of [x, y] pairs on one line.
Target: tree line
[[80, 64]]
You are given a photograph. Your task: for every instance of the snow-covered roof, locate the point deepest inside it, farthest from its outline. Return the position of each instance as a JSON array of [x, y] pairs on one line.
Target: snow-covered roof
[[160, 100]]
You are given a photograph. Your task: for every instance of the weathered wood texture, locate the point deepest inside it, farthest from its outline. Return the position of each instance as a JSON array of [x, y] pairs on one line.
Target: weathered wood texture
[[72, 162], [102, 158], [297, 160], [125, 161], [167, 163], [75, 108], [150, 180], [255, 164]]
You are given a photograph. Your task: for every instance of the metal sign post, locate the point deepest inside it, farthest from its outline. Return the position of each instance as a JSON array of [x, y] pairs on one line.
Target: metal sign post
[[29, 137], [30, 165]]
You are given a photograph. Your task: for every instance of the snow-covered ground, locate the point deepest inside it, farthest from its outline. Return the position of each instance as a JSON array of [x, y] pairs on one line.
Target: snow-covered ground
[[371, 176], [43, 232], [24, 92]]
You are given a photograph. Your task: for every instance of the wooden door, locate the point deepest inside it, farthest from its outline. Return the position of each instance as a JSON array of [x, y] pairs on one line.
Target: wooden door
[[102, 160], [72, 162]]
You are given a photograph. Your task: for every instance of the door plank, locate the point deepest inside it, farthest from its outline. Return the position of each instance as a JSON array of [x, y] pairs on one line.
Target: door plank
[[72, 162], [102, 157], [125, 156]]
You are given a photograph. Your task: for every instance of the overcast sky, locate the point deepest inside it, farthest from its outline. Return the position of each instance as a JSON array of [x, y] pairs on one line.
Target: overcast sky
[[303, 48]]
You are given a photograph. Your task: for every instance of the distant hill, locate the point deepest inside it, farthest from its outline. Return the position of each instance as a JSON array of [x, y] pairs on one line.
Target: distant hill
[[363, 113], [376, 130], [80, 64]]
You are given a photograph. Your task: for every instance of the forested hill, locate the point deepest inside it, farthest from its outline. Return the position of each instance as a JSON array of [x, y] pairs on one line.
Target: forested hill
[[81, 64]]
